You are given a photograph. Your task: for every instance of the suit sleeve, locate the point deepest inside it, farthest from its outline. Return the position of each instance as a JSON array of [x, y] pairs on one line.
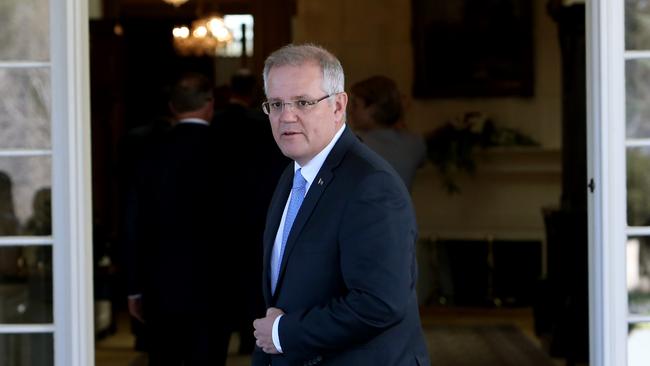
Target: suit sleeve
[[376, 243]]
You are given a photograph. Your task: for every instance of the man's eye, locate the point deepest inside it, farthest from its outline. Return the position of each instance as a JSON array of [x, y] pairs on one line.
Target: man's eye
[[275, 105], [303, 103]]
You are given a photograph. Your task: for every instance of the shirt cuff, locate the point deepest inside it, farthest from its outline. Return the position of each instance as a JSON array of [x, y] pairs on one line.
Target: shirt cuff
[[275, 335]]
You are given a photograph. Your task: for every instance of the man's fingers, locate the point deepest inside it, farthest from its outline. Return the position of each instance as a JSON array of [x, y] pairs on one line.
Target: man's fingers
[[273, 311], [270, 350], [262, 331]]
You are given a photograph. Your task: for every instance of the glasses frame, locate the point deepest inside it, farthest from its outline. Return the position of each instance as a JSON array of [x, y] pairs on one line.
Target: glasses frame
[[296, 104]]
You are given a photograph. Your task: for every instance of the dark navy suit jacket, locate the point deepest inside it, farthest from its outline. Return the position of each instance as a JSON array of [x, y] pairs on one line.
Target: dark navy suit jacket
[[348, 273], [178, 220]]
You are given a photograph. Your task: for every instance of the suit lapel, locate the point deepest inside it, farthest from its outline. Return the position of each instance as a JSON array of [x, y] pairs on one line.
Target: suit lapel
[[276, 209], [318, 186]]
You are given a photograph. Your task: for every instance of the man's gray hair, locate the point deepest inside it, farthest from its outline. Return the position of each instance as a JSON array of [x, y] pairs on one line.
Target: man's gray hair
[[298, 55]]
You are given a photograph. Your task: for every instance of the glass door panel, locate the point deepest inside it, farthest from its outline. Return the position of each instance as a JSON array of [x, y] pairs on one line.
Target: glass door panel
[[25, 108], [26, 285], [26, 278], [637, 132], [637, 344], [26, 349], [638, 186], [638, 275], [24, 25], [637, 28], [637, 74], [25, 202]]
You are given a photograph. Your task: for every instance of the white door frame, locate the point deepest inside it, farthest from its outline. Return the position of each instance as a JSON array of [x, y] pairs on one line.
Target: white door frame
[[606, 166], [71, 184], [74, 335]]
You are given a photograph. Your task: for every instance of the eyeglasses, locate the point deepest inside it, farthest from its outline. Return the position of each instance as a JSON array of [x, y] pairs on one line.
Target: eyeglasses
[[302, 105]]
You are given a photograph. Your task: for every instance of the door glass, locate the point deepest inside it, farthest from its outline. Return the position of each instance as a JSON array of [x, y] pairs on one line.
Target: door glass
[[637, 27], [637, 75], [638, 186], [638, 275], [26, 278], [26, 349], [25, 195], [25, 108], [638, 339], [24, 26], [25, 284]]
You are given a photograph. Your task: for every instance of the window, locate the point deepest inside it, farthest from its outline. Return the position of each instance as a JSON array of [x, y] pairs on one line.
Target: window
[[237, 23]]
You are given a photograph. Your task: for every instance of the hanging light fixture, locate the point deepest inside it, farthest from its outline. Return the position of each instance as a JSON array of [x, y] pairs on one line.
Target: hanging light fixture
[[176, 3], [206, 36]]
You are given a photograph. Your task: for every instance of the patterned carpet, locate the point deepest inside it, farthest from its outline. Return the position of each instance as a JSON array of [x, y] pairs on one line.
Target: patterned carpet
[[483, 346]]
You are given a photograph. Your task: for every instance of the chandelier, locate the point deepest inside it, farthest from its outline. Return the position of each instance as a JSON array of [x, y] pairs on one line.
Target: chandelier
[[207, 36], [176, 3]]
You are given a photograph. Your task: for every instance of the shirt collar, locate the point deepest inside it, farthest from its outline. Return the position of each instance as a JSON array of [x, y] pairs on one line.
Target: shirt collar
[[310, 170]]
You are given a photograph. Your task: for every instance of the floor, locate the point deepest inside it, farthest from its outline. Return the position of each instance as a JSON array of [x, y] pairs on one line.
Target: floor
[[117, 349]]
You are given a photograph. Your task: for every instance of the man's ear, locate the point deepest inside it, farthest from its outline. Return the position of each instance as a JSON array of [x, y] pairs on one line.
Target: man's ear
[[340, 104]]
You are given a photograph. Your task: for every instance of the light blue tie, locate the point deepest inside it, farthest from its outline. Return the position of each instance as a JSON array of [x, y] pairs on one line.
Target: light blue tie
[[297, 195]]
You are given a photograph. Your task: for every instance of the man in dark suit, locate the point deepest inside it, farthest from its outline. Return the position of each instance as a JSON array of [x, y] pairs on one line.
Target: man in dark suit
[[176, 261], [339, 246], [255, 187]]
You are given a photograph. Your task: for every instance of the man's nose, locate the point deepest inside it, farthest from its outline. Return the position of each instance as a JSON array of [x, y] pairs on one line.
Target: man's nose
[[288, 112]]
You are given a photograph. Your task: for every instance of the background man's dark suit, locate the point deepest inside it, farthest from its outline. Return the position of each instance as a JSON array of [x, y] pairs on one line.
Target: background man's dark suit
[[180, 263], [138, 143], [347, 278], [257, 169]]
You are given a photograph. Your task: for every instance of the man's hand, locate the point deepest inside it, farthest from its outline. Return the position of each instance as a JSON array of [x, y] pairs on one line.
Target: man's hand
[[135, 308], [264, 331]]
